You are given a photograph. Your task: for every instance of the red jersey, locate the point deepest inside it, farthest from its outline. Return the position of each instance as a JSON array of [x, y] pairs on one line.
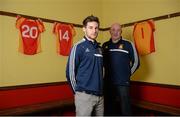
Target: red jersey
[[144, 37], [64, 38], [30, 30]]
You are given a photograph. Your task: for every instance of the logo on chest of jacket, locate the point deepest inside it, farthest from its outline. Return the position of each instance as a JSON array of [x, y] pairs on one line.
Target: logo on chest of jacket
[[87, 50], [121, 46]]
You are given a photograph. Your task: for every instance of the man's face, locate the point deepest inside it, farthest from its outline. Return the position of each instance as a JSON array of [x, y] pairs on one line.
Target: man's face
[[115, 31], [91, 30]]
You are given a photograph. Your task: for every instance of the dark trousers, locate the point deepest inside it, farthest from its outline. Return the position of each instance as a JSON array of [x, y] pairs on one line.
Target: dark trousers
[[117, 100]]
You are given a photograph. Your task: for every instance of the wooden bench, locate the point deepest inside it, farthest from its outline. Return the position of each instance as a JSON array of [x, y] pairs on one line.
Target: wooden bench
[[156, 107], [36, 108]]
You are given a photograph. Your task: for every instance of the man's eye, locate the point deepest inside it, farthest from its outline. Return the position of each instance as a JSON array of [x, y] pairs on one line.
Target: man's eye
[[90, 27]]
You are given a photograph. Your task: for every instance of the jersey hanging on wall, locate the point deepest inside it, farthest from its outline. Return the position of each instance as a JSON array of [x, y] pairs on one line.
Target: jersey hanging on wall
[[144, 37], [29, 31], [64, 37]]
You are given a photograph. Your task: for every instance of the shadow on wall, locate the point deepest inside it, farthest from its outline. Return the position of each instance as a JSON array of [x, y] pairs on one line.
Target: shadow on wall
[[144, 69]]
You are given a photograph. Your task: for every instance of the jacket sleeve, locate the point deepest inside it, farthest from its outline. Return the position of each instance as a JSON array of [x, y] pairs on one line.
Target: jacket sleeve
[[134, 58], [105, 53], [72, 66]]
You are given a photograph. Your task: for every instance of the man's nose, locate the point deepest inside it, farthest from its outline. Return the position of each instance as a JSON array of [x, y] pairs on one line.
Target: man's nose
[[94, 30]]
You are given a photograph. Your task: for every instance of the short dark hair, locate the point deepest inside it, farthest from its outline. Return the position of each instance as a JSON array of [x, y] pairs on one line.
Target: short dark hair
[[90, 18]]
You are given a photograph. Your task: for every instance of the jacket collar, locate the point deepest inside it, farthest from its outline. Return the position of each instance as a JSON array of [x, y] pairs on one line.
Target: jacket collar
[[119, 40], [93, 42]]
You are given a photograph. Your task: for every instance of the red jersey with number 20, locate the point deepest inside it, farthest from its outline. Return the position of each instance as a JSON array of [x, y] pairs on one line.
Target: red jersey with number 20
[[64, 36], [30, 30]]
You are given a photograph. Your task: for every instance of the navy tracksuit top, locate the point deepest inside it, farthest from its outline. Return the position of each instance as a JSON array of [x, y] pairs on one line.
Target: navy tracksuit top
[[120, 61], [84, 70]]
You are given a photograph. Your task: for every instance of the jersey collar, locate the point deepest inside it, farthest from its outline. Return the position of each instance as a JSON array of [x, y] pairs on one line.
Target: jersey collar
[[118, 41], [89, 39]]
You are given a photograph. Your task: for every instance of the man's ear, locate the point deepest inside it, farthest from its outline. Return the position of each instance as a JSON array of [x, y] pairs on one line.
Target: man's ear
[[110, 31], [121, 32], [84, 29]]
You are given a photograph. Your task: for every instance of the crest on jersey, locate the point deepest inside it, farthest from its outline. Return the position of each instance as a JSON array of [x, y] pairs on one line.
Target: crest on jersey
[[121, 46]]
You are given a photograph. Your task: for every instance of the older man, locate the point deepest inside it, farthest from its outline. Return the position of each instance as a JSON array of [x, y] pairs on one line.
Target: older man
[[121, 61]]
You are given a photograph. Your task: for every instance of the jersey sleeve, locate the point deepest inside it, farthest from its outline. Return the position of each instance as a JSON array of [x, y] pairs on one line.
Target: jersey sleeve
[[19, 21], [40, 25], [55, 28], [72, 66], [134, 58], [73, 30]]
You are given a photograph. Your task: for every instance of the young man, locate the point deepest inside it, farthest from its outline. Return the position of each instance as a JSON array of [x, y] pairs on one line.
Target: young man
[[85, 71], [121, 61]]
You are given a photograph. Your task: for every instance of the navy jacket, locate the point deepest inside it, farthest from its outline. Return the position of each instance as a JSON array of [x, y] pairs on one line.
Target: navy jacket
[[120, 60], [84, 69]]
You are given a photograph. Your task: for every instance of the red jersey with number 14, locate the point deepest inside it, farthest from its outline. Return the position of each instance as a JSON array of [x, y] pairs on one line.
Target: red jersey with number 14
[[64, 36], [30, 30]]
